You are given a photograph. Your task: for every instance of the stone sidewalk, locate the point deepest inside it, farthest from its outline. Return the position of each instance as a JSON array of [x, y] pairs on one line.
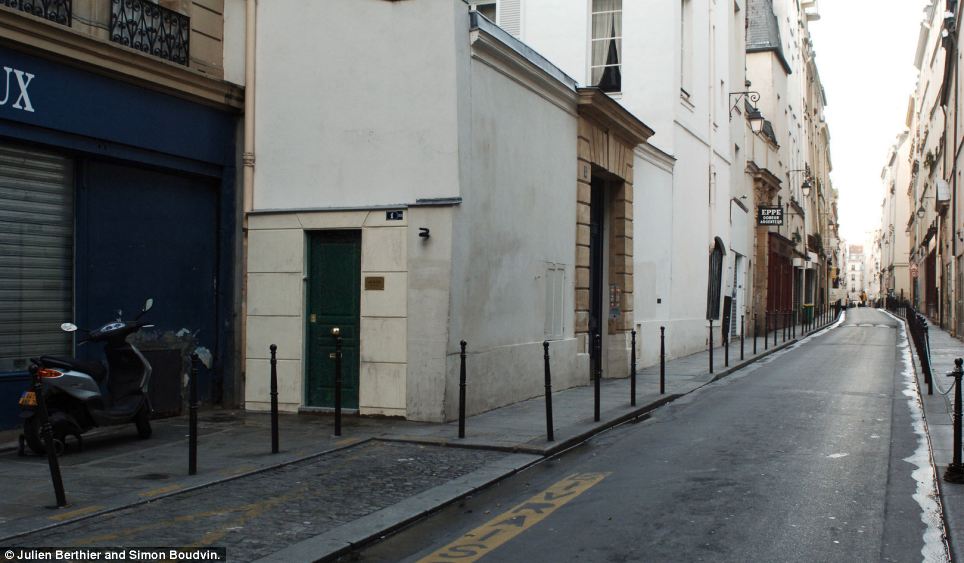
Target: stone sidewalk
[[116, 471], [938, 413]]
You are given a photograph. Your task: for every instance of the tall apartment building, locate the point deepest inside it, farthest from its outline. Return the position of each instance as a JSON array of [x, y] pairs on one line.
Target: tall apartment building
[[856, 272]]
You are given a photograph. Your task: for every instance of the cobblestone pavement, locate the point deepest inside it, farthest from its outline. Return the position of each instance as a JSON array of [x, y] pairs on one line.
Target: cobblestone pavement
[[260, 514]]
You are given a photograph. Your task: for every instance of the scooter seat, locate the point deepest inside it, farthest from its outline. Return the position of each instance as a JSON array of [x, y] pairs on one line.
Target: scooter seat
[[92, 368]]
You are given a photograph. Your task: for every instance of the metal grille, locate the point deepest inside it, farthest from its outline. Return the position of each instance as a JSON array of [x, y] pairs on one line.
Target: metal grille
[[36, 255], [58, 11], [152, 29]]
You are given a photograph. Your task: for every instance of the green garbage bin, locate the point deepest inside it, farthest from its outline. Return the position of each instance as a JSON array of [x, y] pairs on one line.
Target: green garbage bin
[[808, 312]]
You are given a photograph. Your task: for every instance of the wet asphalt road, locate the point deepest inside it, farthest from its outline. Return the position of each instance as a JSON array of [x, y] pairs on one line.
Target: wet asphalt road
[[797, 458]]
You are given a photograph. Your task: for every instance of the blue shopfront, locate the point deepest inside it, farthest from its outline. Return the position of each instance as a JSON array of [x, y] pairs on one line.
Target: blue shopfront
[[111, 193]]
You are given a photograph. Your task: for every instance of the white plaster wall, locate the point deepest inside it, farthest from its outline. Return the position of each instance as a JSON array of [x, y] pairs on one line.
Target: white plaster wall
[[233, 45], [337, 124], [518, 214], [651, 88], [560, 32], [652, 263], [429, 283]]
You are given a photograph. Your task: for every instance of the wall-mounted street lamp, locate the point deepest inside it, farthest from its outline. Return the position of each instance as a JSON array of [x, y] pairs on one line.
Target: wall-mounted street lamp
[[807, 184], [754, 116], [921, 211]]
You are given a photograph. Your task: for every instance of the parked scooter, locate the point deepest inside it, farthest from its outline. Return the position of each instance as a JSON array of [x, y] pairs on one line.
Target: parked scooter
[[72, 390]]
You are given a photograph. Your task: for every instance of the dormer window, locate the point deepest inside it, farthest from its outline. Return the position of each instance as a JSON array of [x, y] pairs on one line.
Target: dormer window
[[487, 8]]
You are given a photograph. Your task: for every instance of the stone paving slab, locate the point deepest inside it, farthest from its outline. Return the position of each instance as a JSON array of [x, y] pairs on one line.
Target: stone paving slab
[[252, 517]]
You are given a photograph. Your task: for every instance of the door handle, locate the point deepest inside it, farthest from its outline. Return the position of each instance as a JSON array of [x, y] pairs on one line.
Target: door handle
[[313, 318]]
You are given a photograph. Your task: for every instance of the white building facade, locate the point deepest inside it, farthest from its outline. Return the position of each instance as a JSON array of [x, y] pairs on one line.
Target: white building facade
[[798, 261], [677, 64], [461, 188]]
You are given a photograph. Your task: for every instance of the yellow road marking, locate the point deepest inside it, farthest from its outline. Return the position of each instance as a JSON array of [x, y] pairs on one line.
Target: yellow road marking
[[74, 513], [161, 490], [481, 541], [247, 511]]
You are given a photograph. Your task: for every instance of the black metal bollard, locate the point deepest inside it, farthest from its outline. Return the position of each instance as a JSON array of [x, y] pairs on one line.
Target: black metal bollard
[[925, 339], [726, 347], [632, 372], [742, 335], [192, 412], [711, 345], [776, 327], [783, 319], [336, 332], [766, 330], [549, 437], [662, 360], [597, 373], [793, 324], [756, 330], [48, 436], [462, 345], [955, 471], [274, 398]]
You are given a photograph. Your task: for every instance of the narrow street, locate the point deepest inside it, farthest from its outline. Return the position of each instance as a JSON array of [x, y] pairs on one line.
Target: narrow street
[[801, 457]]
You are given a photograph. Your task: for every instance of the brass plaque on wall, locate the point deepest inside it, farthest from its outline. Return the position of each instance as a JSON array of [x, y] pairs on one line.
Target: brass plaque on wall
[[374, 283]]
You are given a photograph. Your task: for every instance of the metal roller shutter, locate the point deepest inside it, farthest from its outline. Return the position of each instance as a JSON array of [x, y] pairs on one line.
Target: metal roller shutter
[[36, 254], [510, 16]]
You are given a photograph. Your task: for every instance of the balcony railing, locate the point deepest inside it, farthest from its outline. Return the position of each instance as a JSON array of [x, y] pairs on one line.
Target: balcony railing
[[58, 11], [147, 27]]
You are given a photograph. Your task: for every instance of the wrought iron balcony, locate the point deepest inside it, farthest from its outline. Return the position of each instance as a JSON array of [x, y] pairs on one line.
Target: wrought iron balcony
[[58, 11], [153, 29]]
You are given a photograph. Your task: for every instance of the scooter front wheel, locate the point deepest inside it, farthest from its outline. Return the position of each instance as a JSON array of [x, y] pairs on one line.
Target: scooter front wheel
[[34, 438]]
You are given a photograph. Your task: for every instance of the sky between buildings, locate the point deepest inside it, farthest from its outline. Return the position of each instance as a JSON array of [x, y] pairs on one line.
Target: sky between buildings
[[865, 56]]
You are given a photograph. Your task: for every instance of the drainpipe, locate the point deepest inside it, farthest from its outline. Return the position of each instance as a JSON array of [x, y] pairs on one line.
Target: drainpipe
[[251, 9], [954, 271], [247, 158]]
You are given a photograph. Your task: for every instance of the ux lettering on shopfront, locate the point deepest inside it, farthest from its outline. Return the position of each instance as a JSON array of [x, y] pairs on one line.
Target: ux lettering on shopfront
[[16, 94]]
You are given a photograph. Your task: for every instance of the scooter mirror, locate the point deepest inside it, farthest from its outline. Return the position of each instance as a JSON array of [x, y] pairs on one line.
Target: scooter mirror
[[68, 327], [148, 304]]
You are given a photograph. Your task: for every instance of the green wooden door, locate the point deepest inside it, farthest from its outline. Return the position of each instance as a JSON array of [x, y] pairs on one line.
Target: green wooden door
[[334, 278]]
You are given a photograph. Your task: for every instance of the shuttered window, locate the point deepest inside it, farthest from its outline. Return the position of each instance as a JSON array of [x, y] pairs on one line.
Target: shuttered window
[[36, 254]]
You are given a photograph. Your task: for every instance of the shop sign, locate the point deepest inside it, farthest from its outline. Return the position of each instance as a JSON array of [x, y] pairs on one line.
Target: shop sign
[[17, 87], [769, 215]]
